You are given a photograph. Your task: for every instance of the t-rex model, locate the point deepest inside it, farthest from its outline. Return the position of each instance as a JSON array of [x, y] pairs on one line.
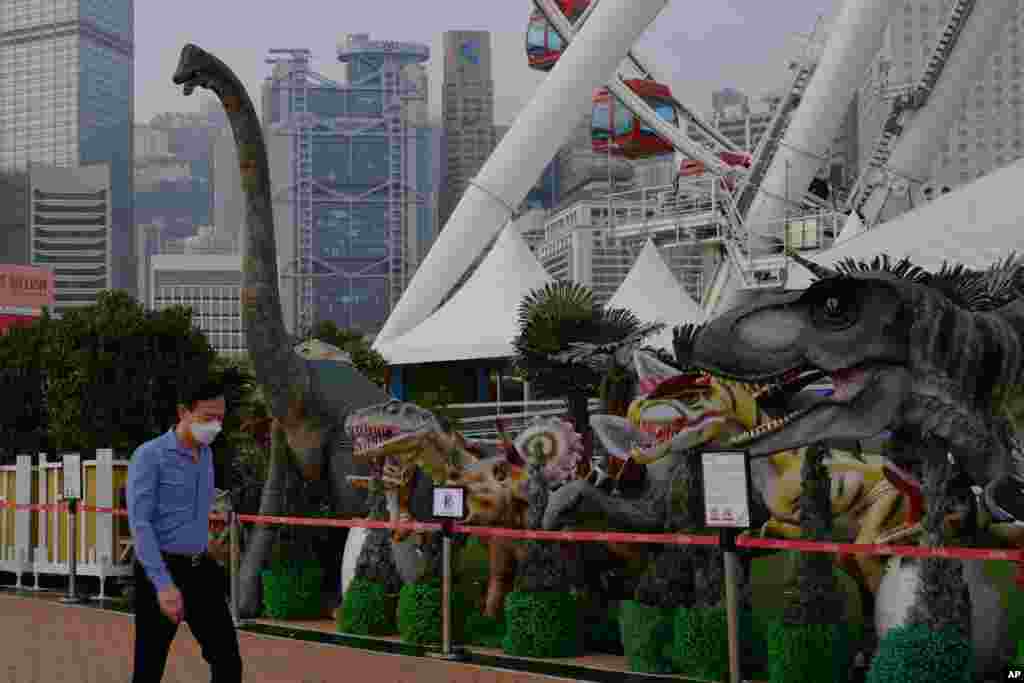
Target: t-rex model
[[403, 438], [911, 351], [308, 399]]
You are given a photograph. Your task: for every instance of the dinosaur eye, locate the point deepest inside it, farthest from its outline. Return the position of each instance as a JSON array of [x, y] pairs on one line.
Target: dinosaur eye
[[835, 310]]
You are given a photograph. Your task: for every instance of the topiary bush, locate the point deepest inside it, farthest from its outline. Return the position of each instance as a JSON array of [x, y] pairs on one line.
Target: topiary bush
[[419, 614], [368, 609], [542, 624], [484, 631], [701, 641], [647, 637], [915, 654], [291, 590], [808, 653]]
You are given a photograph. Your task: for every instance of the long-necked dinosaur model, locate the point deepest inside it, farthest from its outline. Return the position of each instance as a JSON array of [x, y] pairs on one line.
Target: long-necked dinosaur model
[[308, 399], [907, 350]]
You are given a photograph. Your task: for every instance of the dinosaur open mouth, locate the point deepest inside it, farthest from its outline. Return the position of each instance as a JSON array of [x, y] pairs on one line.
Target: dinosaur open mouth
[[661, 430], [847, 385], [370, 437]]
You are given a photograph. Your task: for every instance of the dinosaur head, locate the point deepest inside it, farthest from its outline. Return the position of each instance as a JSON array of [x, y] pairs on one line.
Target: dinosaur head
[[676, 412], [389, 428], [883, 333], [197, 68]]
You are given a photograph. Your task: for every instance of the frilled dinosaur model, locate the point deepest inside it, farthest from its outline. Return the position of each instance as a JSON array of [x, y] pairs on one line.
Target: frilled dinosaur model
[[403, 440], [918, 353]]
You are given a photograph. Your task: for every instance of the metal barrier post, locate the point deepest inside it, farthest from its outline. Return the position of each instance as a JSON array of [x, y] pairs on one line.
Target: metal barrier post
[[447, 651], [73, 596], [727, 540], [233, 562]]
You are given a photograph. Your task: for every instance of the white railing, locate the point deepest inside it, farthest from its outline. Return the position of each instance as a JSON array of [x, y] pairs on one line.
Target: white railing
[[35, 541], [479, 420]]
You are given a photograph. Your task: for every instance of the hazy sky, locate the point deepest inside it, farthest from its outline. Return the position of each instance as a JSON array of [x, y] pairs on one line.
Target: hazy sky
[[700, 45]]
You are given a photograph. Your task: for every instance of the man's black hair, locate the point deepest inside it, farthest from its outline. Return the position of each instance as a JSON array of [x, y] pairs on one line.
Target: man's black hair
[[207, 390]]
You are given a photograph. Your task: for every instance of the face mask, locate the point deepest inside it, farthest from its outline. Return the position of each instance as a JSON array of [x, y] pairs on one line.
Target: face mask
[[205, 432]]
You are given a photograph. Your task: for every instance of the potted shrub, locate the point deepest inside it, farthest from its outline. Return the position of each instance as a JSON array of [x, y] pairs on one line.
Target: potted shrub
[[370, 603]]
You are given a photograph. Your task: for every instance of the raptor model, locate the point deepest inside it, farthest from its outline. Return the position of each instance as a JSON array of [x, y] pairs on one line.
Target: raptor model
[[404, 440]]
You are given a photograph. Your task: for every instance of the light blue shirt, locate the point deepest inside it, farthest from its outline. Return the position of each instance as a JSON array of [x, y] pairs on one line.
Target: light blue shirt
[[169, 501]]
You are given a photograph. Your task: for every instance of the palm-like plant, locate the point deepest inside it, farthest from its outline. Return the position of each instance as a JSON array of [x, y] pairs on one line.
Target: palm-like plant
[[562, 332]]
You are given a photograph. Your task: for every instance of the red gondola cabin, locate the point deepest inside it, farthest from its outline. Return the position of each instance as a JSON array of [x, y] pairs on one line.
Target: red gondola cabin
[[693, 167], [543, 44], [628, 136]]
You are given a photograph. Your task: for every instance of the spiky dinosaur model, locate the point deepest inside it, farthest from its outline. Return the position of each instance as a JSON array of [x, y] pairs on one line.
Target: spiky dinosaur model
[[915, 352], [680, 411], [403, 439], [309, 399]]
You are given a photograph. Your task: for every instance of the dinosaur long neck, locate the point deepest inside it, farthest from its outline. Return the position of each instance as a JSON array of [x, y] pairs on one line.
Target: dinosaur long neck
[[275, 364]]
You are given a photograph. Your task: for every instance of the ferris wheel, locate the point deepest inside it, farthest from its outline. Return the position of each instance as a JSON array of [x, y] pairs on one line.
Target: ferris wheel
[[580, 42]]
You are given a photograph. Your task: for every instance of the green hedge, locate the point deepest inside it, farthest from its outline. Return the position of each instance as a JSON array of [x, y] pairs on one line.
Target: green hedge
[[419, 614], [368, 610], [647, 635], [292, 590], [484, 631], [701, 641], [915, 654], [808, 653], [542, 624]]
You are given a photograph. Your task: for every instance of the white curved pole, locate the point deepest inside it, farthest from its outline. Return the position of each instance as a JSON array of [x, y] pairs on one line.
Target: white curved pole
[[849, 50], [541, 128]]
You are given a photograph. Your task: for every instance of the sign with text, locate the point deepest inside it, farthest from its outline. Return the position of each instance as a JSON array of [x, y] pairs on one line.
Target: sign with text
[[24, 290], [449, 502], [726, 489], [73, 476]]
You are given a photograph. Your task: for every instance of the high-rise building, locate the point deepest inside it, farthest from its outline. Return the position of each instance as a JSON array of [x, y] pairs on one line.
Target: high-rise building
[[467, 110], [990, 130], [66, 88], [70, 230], [209, 284], [352, 175]]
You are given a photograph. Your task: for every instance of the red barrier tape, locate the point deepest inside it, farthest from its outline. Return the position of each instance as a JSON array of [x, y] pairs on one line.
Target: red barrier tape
[[591, 536]]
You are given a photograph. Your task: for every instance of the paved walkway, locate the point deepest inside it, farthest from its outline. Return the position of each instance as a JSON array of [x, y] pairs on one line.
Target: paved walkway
[[44, 641]]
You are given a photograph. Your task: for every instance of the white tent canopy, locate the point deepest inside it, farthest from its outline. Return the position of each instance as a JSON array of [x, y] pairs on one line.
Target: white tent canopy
[[653, 294], [480, 321], [976, 225]]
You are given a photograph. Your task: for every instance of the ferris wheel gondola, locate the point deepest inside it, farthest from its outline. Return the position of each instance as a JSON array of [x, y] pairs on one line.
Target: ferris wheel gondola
[[615, 130], [543, 43]]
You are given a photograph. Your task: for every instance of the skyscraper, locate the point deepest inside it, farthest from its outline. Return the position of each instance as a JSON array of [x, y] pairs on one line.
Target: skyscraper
[[66, 99], [467, 110]]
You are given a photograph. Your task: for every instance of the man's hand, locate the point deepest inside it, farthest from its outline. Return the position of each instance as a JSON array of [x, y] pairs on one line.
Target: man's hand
[[171, 603]]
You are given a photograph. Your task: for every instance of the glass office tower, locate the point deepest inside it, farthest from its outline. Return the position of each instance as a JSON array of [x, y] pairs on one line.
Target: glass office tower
[[66, 98]]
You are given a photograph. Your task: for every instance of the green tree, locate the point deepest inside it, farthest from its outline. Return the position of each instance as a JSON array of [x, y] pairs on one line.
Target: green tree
[[554, 318], [23, 366], [116, 372]]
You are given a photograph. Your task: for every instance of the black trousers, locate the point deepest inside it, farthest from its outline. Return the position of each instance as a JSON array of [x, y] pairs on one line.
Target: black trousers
[[206, 613]]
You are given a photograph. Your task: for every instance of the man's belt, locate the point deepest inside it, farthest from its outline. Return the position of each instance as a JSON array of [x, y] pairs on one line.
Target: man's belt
[[195, 558]]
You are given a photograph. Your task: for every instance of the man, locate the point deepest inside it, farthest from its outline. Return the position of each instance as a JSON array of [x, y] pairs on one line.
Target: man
[[170, 493]]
